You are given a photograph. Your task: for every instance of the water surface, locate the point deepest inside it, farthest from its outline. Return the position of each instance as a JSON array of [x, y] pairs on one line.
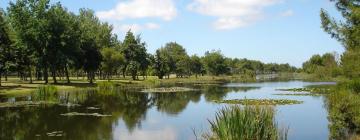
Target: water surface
[[154, 116]]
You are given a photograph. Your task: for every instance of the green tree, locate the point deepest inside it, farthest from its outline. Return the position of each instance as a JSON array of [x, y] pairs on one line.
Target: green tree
[[347, 32], [196, 66], [91, 55], [161, 66], [215, 63], [29, 20], [136, 57], [5, 44], [112, 61]]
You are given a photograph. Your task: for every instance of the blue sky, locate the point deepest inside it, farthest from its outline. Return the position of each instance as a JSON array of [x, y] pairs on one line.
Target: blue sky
[[282, 31]]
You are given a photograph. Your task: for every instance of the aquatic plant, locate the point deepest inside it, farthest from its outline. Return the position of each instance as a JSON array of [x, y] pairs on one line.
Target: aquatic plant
[[168, 90], [46, 92], [300, 94], [84, 114], [106, 87], [246, 123], [260, 101]]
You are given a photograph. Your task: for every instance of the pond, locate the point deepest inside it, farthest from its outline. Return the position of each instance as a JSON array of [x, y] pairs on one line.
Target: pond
[[129, 114]]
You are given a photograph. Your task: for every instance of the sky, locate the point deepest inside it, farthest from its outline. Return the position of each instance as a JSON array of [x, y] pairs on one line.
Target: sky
[[281, 31]]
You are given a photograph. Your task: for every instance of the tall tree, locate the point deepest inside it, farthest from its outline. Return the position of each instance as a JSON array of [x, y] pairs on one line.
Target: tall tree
[[5, 44], [196, 65], [91, 55], [347, 32], [135, 55], [215, 63], [29, 19]]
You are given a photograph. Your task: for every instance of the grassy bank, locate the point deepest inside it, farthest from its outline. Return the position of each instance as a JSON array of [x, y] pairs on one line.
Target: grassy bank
[[13, 86]]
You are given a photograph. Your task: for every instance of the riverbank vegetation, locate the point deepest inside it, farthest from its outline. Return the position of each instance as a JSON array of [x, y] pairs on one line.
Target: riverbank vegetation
[[344, 101]]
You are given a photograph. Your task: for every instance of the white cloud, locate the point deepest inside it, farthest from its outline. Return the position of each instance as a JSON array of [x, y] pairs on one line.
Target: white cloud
[[135, 27], [163, 9], [287, 13], [232, 13]]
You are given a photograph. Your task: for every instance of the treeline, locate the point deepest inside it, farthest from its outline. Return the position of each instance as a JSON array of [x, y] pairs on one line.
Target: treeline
[[42, 40], [324, 66]]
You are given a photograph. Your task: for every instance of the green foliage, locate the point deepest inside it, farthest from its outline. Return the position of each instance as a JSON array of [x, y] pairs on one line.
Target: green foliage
[[344, 113], [347, 32], [247, 123], [45, 93], [136, 57], [112, 61], [215, 63], [324, 67]]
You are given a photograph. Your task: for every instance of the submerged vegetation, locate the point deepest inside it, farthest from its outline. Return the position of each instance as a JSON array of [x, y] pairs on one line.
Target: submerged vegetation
[[246, 123], [261, 102]]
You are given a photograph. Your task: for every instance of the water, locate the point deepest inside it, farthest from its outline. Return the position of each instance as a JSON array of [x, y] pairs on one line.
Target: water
[[151, 116]]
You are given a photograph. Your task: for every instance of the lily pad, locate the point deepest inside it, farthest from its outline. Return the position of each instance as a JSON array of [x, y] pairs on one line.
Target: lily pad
[[85, 114], [25, 104], [168, 90], [261, 102]]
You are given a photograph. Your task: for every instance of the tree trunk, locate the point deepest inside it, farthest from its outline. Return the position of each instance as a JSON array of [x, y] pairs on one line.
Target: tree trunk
[[30, 75], [0, 78], [67, 74], [46, 75], [90, 75], [6, 77], [124, 71], [53, 73]]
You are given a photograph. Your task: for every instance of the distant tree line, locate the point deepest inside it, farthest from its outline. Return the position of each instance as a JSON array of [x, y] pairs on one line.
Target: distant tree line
[[43, 41], [323, 66]]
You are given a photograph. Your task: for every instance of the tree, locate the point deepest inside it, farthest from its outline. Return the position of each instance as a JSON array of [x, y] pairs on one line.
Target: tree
[[112, 61], [29, 20], [160, 65], [5, 44], [215, 63], [177, 58], [196, 65], [347, 32], [136, 57], [91, 55]]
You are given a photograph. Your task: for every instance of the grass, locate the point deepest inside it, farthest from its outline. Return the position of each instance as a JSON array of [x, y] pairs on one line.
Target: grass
[[261, 102], [247, 123]]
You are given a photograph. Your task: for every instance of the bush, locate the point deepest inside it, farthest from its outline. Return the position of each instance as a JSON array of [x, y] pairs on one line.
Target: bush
[[344, 112]]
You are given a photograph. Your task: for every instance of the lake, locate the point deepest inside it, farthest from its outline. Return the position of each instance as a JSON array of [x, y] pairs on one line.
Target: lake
[[135, 115]]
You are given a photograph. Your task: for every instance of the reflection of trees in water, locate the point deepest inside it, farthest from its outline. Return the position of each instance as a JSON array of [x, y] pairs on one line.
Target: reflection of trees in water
[[126, 105], [174, 103], [212, 93], [26, 123]]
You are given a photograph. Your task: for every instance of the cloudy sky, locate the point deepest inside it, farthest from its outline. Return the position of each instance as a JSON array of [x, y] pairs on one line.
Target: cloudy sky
[[283, 31]]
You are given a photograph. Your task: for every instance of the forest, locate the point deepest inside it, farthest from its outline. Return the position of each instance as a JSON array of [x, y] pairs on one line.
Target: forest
[[41, 40]]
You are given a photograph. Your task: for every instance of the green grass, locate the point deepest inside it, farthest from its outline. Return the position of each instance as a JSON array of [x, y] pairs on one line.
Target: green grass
[[260, 102], [246, 123]]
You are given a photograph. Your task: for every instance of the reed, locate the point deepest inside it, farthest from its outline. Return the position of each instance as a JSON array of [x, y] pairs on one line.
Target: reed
[[246, 123]]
